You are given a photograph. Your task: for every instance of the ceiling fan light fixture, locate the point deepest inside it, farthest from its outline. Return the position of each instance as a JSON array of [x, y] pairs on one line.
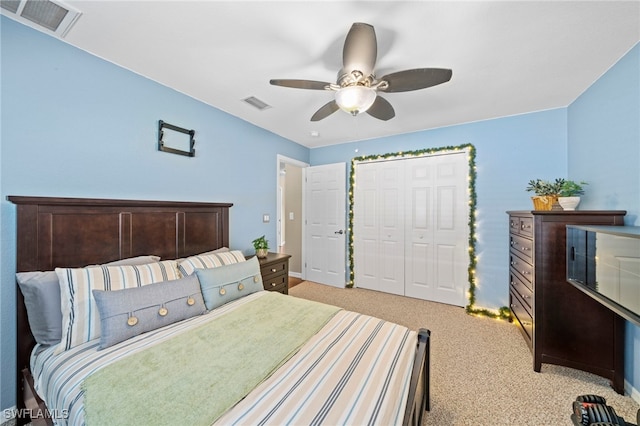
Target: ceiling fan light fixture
[[355, 99]]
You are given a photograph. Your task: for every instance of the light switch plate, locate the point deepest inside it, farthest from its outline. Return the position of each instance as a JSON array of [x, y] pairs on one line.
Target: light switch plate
[[265, 218]]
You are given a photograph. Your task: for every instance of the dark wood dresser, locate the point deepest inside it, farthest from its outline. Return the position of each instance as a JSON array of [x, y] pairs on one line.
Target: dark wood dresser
[[561, 324], [275, 272]]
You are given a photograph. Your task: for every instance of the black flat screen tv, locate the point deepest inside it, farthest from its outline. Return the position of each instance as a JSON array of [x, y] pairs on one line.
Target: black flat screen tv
[[604, 262]]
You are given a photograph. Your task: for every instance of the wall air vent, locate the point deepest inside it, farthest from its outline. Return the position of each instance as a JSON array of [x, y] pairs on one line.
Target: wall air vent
[[44, 15], [257, 103]]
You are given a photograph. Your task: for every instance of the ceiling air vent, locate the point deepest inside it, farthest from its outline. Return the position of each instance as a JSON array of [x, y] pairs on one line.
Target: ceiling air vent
[[52, 17], [257, 103]]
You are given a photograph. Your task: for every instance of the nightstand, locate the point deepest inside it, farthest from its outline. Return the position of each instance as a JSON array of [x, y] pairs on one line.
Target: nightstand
[[275, 272]]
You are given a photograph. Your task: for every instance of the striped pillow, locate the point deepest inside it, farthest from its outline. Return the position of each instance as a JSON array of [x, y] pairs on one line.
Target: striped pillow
[[209, 260], [80, 315]]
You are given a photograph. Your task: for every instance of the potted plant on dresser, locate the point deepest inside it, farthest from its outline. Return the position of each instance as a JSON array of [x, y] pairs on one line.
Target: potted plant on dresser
[[546, 193], [561, 194], [569, 195]]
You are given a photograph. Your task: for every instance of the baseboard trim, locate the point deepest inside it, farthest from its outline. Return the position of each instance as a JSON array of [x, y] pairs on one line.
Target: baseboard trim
[[632, 392]]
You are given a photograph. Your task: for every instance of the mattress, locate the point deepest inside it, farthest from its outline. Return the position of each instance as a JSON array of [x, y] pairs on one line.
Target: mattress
[[355, 370]]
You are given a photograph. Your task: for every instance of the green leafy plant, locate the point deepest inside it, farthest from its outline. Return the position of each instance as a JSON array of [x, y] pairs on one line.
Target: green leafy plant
[[544, 187], [571, 188], [260, 243]]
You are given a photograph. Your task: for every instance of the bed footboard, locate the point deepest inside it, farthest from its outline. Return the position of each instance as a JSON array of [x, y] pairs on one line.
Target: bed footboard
[[419, 399]]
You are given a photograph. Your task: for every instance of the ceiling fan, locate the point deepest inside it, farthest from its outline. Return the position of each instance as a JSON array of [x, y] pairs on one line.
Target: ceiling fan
[[357, 88]]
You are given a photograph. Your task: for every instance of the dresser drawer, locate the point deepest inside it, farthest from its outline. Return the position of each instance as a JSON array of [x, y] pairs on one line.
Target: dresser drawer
[[519, 287], [521, 225], [522, 267], [522, 316], [522, 245], [526, 226], [274, 269]]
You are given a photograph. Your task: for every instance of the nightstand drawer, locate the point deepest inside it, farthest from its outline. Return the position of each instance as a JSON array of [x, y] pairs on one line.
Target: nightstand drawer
[[274, 269], [275, 283]]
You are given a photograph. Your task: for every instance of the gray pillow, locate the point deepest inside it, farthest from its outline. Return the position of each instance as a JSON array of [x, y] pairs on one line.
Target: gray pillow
[[225, 283], [41, 293], [130, 312]]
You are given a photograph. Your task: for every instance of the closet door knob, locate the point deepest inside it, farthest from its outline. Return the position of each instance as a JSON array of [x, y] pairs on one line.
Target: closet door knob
[[339, 232]]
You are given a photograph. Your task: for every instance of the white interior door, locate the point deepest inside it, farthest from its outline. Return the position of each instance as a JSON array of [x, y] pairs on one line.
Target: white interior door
[[437, 232], [324, 230]]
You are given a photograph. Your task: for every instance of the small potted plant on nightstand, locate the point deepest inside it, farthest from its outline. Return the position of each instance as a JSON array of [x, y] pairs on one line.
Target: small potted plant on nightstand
[[569, 195], [262, 247]]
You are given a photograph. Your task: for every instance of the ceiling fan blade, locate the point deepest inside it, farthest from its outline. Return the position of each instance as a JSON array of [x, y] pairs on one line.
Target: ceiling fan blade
[[360, 49], [381, 109], [300, 84], [415, 79], [325, 111]]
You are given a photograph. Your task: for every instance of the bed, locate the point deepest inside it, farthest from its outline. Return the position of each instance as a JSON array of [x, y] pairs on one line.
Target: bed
[[388, 383]]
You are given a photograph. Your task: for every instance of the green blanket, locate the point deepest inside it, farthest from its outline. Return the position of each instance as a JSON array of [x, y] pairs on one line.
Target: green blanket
[[195, 377]]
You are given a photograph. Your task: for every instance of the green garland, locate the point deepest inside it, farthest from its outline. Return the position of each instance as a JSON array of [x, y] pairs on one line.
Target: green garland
[[503, 312]]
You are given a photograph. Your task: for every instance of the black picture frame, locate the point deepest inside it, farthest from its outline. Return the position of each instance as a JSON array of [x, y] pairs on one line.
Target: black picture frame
[[175, 140]]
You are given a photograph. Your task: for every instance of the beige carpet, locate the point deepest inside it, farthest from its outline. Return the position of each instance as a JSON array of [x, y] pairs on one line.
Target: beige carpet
[[481, 368]]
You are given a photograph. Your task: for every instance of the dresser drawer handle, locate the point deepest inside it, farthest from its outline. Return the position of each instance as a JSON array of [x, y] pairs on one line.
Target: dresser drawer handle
[[525, 297], [526, 323], [526, 273], [525, 248], [274, 270], [273, 284]]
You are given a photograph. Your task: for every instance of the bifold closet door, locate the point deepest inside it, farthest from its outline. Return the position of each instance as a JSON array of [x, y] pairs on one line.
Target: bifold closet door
[[436, 244], [410, 227], [379, 227]]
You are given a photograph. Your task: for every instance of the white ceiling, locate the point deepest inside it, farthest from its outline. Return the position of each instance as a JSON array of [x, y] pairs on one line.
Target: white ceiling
[[507, 57]]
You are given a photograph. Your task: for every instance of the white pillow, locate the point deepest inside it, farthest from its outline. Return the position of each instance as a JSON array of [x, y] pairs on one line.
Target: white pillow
[[209, 260], [80, 315]]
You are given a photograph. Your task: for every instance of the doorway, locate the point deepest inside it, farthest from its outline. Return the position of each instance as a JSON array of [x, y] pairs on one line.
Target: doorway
[[289, 212]]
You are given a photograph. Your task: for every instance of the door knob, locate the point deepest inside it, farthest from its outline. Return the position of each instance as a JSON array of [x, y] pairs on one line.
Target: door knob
[[339, 232]]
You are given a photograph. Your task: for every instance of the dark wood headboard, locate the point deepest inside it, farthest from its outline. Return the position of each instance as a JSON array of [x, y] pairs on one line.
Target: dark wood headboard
[[75, 232]]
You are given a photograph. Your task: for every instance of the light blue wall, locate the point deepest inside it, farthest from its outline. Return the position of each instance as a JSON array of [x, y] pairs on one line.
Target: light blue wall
[[509, 152], [74, 125], [604, 150]]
